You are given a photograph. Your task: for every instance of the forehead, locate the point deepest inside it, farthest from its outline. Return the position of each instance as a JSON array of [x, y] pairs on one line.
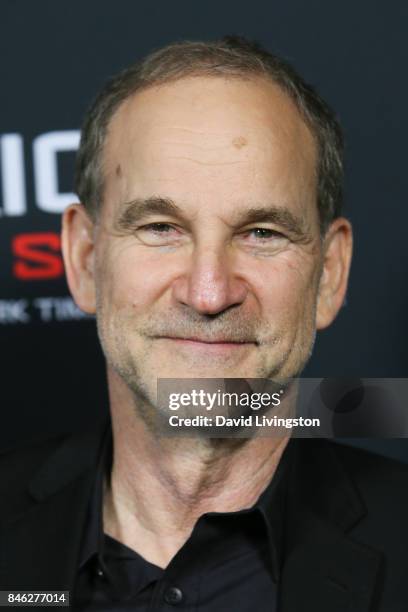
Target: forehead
[[218, 137]]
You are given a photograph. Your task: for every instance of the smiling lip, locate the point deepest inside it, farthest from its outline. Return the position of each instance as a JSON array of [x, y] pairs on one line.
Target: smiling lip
[[201, 341], [216, 349]]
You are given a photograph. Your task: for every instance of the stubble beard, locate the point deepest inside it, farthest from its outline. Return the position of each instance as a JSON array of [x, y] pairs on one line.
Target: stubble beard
[[114, 335]]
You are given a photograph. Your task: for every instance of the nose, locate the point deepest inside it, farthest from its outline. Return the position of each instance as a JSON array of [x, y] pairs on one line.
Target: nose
[[210, 284]]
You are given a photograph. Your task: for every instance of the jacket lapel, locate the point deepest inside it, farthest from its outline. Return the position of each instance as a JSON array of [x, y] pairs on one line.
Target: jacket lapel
[[41, 545], [325, 569]]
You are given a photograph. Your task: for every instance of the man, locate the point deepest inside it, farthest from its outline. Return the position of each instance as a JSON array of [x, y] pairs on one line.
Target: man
[[210, 244]]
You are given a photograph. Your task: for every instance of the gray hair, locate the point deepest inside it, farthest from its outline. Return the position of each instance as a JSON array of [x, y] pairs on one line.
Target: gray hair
[[232, 56]]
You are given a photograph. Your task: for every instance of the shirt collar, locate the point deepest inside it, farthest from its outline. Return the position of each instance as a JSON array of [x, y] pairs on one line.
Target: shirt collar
[[271, 504], [93, 540]]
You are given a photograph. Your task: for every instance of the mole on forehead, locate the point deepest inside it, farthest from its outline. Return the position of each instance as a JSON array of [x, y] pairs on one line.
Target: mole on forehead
[[118, 170], [239, 142]]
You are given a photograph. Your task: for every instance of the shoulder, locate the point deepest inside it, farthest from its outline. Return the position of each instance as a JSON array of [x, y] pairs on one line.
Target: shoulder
[[372, 470], [379, 482], [327, 467], [20, 460], [361, 464], [48, 460], [357, 490]]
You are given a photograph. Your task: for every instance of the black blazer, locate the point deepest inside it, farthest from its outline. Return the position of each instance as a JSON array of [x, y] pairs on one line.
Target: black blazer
[[346, 544]]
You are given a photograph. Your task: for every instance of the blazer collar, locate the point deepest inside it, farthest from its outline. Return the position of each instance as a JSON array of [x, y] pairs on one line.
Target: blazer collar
[[40, 546], [325, 568]]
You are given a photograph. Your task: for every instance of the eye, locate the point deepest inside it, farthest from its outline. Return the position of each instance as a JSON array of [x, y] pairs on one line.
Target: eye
[[159, 228], [263, 240], [158, 234], [263, 234]]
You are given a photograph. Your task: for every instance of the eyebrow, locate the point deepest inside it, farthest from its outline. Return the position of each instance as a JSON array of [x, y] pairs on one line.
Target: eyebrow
[[277, 215], [135, 210]]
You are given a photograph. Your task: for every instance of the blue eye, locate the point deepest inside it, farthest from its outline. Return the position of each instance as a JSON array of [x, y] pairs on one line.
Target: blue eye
[[263, 233]]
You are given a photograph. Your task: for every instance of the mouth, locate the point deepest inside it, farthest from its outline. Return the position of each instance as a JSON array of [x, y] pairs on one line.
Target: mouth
[[218, 345], [220, 340]]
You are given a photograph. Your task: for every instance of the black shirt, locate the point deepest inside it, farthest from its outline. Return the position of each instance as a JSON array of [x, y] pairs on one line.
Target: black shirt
[[231, 560]]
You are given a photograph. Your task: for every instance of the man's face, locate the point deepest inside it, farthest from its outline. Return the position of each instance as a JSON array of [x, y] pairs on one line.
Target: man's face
[[208, 253]]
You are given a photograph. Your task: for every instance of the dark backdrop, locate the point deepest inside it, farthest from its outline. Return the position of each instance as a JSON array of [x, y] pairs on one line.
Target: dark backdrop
[[55, 55]]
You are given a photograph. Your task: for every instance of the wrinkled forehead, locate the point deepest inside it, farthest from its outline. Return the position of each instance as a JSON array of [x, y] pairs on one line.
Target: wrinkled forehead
[[223, 136]]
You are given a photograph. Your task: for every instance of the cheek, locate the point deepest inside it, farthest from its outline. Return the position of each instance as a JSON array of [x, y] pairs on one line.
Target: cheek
[[126, 286], [289, 288]]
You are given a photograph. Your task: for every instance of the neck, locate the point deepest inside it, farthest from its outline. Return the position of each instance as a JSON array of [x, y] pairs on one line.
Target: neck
[[160, 486]]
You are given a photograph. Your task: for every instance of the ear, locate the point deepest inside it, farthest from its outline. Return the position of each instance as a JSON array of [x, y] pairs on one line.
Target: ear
[[337, 251], [78, 252]]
